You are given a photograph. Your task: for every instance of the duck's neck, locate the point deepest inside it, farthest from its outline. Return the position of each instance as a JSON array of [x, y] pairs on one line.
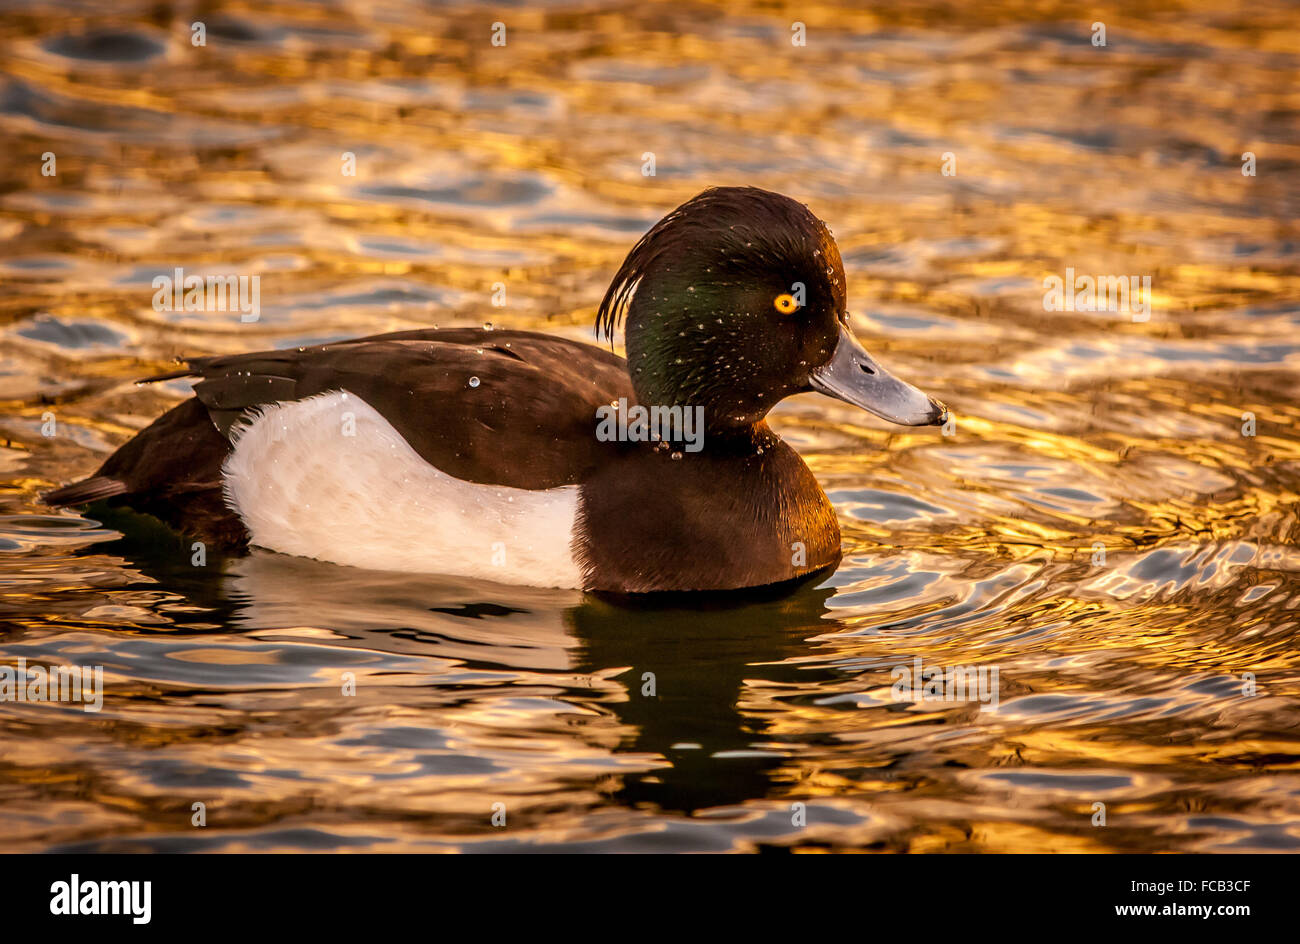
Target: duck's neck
[[740, 441]]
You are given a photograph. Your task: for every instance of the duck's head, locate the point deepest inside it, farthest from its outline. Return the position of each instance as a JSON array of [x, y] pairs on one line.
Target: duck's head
[[736, 300]]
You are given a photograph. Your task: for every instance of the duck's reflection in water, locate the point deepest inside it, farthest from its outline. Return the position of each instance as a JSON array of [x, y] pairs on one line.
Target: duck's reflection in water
[[668, 672], [697, 653]]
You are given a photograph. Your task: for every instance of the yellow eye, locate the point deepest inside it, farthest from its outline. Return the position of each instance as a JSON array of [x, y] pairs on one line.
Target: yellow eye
[[785, 304]]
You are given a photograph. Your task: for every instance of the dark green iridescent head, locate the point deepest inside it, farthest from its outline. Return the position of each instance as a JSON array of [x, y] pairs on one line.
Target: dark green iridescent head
[[736, 300], [700, 292]]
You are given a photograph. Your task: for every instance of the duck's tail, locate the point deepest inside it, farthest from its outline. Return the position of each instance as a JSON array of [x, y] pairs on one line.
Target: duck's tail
[[179, 450], [100, 486], [87, 490]]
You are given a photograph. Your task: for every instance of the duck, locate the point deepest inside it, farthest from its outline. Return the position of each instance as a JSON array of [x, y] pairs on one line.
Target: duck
[[524, 458]]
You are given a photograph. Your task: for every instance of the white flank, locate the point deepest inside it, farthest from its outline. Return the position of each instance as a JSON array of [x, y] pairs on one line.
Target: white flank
[[330, 478]]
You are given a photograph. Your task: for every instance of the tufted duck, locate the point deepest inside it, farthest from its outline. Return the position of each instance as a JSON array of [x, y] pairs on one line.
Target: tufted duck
[[477, 453]]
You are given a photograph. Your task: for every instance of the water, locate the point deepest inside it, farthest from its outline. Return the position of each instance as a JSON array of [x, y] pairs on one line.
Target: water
[[1121, 682]]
